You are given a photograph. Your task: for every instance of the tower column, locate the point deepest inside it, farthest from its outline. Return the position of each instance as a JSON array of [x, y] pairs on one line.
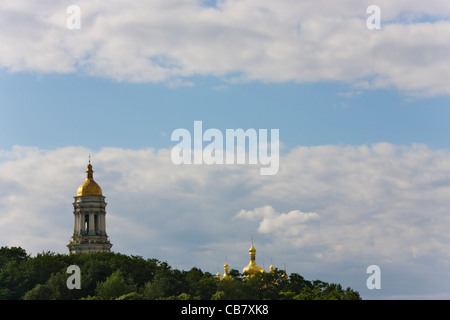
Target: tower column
[[100, 223], [91, 223], [102, 228], [75, 222], [104, 223], [80, 222]]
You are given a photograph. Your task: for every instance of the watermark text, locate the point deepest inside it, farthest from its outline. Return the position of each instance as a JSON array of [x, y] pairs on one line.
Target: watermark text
[[190, 149], [374, 281], [74, 20], [73, 281], [374, 20]]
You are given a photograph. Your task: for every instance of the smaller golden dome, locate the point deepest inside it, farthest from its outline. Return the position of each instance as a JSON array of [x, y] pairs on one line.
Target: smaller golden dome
[[89, 186], [225, 269]]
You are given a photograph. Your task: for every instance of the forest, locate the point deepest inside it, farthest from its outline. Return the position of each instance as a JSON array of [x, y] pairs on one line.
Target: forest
[[116, 276]]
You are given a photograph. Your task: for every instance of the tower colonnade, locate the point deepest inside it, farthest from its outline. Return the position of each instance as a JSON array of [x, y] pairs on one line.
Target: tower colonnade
[[89, 218]]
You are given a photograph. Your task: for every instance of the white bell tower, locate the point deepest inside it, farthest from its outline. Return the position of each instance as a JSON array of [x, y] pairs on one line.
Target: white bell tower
[[89, 229]]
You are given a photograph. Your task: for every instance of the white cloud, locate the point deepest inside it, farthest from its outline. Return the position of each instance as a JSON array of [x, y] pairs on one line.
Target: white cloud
[[289, 40], [329, 213], [282, 224]]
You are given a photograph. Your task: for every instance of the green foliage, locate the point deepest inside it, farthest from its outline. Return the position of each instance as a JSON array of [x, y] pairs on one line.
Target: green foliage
[[11, 254], [115, 276], [39, 292], [131, 296], [115, 286]]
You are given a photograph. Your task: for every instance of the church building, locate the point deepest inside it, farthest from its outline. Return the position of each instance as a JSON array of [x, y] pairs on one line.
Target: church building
[[251, 269], [89, 227]]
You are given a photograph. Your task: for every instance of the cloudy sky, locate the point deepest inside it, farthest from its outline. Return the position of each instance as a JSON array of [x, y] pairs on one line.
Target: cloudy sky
[[362, 115]]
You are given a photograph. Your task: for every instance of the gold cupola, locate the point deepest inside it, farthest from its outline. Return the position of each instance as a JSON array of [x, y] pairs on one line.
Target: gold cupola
[[252, 267], [89, 186], [226, 267]]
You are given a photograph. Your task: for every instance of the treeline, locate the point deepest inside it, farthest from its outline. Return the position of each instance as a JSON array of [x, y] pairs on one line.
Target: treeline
[[109, 276]]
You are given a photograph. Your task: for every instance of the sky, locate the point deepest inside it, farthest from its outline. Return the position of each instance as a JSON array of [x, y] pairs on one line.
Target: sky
[[362, 114]]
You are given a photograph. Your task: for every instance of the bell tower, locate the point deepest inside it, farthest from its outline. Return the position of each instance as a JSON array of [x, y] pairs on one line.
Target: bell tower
[[89, 227]]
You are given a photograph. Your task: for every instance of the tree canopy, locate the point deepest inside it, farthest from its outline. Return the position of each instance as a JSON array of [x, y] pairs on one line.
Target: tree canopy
[[110, 276]]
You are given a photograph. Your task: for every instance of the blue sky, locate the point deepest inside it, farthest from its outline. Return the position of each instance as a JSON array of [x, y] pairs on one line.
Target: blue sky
[[60, 110], [362, 115]]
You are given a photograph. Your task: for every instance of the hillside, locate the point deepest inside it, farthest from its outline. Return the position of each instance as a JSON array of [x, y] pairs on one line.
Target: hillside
[[110, 276]]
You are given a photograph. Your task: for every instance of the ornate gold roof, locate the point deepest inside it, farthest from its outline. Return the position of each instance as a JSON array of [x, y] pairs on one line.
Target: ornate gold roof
[[89, 186], [225, 270], [252, 267]]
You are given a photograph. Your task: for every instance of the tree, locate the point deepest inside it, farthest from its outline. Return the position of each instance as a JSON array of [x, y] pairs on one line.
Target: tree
[[297, 283], [118, 276], [199, 284], [39, 292], [166, 283], [230, 289], [206, 287], [16, 254], [115, 286], [131, 296]]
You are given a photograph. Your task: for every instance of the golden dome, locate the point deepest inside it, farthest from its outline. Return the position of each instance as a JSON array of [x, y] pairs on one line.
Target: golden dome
[[252, 267], [225, 269], [89, 186]]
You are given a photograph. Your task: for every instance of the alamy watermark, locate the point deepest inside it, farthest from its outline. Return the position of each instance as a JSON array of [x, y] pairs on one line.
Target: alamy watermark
[[74, 20], [374, 20], [190, 149], [373, 281], [74, 280]]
